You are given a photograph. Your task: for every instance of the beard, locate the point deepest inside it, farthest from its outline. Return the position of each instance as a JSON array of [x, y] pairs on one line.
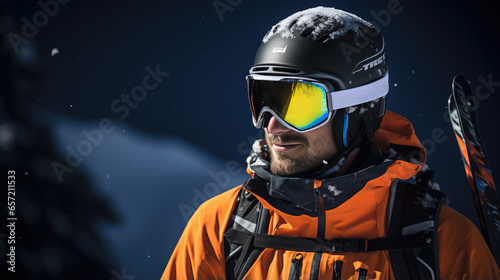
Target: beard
[[283, 164]]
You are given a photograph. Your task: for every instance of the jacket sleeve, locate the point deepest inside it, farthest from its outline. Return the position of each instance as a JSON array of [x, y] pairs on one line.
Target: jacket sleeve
[[463, 253], [199, 254]]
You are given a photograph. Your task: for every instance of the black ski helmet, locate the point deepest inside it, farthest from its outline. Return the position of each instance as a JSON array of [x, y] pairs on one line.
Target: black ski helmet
[[338, 48]]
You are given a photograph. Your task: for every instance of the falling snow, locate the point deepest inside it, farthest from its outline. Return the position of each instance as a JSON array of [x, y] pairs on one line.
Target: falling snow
[[54, 51]]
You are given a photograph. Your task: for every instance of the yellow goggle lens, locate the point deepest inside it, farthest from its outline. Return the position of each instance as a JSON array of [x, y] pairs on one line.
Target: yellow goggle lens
[[307, 106]]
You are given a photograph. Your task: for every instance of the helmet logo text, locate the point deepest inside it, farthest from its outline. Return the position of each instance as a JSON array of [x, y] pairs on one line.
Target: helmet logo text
[[280, 50], [371, 64]]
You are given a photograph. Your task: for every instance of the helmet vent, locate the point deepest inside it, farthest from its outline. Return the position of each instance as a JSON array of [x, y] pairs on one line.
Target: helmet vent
[[286, 70], [260, 69], [306, 32], [323, 38]]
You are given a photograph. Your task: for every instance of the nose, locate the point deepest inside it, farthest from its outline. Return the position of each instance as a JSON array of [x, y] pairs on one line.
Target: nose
[[276, 127]]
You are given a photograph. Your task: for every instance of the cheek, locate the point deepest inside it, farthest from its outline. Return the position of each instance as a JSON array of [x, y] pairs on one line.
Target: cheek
[[326, 144], [322, 141]]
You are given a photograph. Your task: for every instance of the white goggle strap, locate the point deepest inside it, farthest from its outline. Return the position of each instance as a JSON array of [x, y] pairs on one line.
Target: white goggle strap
[[358, 95]]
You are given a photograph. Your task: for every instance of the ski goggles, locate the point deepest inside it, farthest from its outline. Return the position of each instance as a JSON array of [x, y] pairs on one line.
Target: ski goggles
[[304, 104]]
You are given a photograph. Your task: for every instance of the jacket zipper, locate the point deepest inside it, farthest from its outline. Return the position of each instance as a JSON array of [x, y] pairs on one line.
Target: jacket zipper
[[296, 267], [321, 231]]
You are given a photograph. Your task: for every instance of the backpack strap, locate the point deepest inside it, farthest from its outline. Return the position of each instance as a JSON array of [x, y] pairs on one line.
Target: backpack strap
[[250, 217], [339, 245], [412, 234], [413, 209]]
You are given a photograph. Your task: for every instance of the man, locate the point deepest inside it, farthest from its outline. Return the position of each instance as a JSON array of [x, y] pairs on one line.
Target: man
[[329, 195]]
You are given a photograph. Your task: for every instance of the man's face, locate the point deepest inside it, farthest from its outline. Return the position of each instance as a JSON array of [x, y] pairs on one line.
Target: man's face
[[293, 153]]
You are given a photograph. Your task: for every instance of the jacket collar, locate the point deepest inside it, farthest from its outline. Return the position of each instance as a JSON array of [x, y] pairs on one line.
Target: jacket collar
[[296, 195]]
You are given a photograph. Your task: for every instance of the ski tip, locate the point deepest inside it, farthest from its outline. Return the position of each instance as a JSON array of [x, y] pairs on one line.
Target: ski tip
[[460, 79], [460, 83], [450, 103]]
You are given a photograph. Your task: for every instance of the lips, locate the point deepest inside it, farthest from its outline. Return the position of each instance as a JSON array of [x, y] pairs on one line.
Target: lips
[[284, 147], [286, 142]]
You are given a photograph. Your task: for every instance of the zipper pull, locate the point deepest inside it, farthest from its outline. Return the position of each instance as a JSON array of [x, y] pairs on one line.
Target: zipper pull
[[296, 267], [337, 269], [362, 274]]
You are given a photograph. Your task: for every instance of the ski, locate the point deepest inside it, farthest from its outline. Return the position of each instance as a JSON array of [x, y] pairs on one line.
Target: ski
[[461, 108]]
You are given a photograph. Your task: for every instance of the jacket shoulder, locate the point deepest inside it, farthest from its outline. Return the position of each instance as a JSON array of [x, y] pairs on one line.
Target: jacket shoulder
[[217, 204], [463, 253], [199, 254], [214, 212]]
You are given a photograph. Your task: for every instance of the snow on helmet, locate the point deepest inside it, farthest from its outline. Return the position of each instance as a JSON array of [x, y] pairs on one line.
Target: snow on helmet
[[342, 51]]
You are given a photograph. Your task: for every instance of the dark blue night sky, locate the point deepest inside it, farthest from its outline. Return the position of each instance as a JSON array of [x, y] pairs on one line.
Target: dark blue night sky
[[189, 124]]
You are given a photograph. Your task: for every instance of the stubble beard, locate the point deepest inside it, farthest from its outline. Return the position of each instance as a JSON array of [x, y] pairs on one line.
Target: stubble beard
[[284, 166]]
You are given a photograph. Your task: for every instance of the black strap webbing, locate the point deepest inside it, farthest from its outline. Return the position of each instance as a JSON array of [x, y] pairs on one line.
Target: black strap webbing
[[408, 209], [355, 245]]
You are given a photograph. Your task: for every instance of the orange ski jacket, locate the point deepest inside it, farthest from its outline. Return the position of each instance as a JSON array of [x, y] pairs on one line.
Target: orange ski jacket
[[463, 254]]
